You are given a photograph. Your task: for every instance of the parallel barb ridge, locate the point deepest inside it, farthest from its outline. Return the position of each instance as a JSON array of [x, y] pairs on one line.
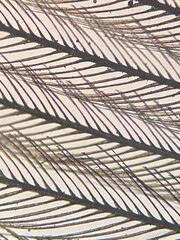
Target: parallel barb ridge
[[89, 119]]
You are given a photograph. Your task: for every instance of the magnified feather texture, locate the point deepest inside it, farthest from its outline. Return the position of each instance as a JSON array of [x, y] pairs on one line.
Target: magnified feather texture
[[89, 119]]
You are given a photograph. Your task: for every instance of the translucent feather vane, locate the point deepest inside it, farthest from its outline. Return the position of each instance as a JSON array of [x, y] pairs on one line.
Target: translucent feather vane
[[89, 119]]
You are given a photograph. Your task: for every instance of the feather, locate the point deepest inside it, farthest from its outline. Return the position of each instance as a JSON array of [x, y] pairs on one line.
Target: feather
[[89, 119]]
